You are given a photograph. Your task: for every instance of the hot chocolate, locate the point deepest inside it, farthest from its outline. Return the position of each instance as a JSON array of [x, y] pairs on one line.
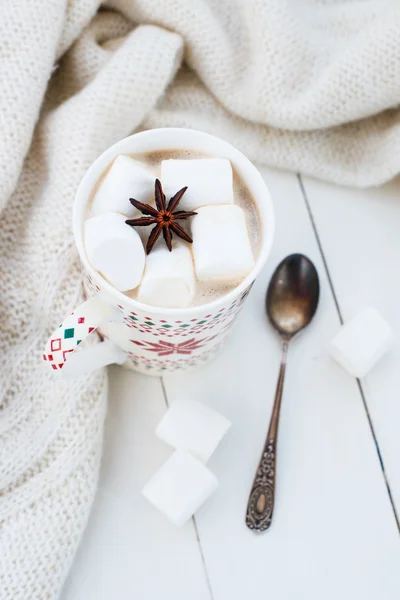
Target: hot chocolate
[[226, 222]]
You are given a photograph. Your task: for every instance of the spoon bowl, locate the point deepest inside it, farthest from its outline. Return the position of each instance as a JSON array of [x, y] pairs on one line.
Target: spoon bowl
[[293, 294]]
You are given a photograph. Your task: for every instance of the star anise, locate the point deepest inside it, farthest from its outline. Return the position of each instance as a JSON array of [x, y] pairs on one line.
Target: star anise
[[163, 217]]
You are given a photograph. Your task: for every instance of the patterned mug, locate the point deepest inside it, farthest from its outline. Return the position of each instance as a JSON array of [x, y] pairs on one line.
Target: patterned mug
[[146, 338]]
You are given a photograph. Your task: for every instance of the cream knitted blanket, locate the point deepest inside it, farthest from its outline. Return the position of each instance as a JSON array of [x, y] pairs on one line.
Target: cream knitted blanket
[[308, 85]]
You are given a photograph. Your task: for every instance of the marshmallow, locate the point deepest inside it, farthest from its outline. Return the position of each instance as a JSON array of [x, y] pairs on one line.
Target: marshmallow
[[115, 250], [180, 487], [362, 342], [168, 279], [127, 178], [209, 181], [192, 426], [221, 244]]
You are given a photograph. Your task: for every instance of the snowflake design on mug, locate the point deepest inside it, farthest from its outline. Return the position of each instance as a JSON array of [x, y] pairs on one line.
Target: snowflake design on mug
[[164, 348]]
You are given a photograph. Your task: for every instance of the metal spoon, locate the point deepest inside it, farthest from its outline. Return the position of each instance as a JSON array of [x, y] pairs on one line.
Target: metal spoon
[[292, 299]]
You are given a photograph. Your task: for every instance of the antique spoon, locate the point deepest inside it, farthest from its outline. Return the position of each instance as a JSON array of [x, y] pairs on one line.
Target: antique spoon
[[292, 299]]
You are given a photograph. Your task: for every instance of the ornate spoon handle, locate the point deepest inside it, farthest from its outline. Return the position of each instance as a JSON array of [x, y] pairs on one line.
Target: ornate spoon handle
[[262, 496]]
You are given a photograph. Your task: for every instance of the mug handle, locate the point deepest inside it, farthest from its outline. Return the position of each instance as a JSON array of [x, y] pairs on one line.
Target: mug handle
[[65, 340]]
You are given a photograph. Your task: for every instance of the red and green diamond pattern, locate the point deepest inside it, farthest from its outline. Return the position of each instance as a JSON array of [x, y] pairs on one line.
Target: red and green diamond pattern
[[65, 339], [181, 328]]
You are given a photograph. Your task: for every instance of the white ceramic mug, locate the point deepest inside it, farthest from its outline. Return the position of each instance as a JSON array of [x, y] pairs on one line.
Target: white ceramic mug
[[146, 338]]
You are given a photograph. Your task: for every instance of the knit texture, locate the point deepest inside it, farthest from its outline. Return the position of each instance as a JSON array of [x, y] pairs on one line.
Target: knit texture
[[51, 431], [310, 86]]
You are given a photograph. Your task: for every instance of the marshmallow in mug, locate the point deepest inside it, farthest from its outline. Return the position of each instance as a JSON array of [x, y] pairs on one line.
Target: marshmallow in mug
[[115, 250], [209, 181], [126, 178], [168, 280], [221, 244]]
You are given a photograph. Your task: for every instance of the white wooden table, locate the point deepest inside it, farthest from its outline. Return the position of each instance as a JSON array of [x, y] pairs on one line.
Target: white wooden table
[[335, 534]]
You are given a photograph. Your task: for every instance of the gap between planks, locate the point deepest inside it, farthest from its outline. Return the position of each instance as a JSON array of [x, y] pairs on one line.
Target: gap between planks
[[359, 383], [196, 531]]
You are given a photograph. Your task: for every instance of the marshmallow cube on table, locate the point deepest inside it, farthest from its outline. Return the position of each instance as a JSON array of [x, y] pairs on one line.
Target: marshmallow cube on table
[[168, 280], [115, 250], [221, 244], [126, 178], [180, 487], [191, 426], [362, 342], [209, 181]]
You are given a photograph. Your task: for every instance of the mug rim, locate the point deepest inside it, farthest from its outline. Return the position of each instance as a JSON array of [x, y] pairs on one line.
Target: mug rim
[[265, 212]]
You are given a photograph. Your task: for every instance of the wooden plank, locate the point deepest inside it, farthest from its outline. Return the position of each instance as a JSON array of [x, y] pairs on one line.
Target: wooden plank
[[334, 533], [129, 550], [360, 234]]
